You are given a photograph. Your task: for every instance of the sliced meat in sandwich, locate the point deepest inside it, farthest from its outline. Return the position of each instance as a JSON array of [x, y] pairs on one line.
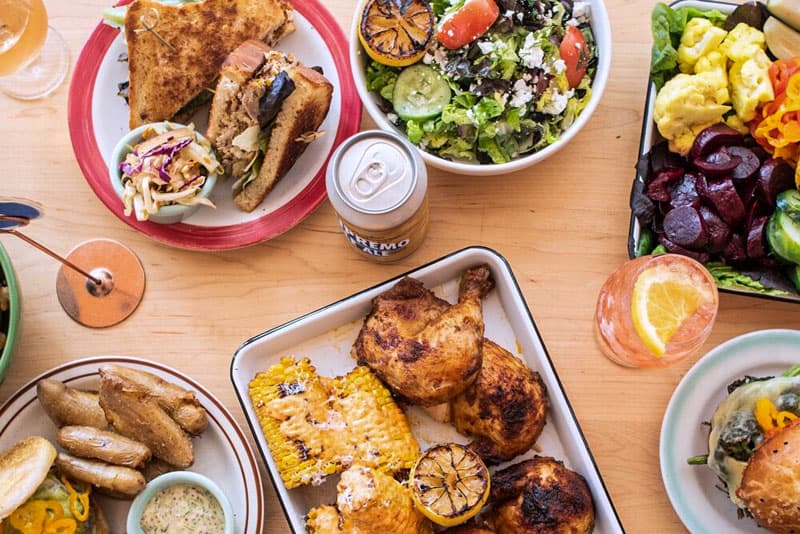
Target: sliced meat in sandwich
[[175, 51], [267, 108]]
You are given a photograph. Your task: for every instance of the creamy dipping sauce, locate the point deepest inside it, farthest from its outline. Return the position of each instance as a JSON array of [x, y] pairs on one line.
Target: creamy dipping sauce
[[183, 508]]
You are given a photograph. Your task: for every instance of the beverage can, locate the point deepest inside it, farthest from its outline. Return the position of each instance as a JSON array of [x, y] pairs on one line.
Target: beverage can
[[378, 185]]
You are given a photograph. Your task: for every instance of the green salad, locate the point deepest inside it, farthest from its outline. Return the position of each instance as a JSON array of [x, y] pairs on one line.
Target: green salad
[[507, 93]]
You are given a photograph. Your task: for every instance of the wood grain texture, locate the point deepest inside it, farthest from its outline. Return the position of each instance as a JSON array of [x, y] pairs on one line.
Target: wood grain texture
[[562, 225]]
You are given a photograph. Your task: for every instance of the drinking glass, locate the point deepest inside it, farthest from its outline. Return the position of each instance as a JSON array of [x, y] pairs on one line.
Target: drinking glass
[[614, 321], [34, 59]]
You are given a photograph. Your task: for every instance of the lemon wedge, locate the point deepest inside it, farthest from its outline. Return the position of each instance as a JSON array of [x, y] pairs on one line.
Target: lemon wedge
[[664, 297]]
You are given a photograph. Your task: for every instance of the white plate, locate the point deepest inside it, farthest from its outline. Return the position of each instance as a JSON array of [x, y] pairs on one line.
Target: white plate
[[326, 335], [692, 489], [98, 118], [221, 452]]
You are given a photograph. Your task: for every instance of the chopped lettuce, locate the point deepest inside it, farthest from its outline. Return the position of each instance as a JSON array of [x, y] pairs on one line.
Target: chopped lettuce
[[667, 26], [381, 78], [726, 276]]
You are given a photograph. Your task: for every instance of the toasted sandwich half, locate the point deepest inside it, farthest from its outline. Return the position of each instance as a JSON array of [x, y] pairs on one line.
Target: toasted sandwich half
[[175, 51], [267, 108]]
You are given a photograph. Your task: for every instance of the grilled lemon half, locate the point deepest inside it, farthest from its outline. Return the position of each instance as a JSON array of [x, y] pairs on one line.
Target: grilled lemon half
[[449, 484], [396, 33]]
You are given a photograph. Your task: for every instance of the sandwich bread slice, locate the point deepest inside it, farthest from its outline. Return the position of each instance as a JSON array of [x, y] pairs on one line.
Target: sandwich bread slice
[[267, 108], [175, 51]]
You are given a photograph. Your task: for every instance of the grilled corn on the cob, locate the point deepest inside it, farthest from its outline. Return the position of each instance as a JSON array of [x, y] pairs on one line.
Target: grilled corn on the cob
[[368, 502], [316, 426]]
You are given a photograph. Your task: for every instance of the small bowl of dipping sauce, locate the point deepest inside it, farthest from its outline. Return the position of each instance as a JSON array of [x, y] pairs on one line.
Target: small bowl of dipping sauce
[[184, 501]]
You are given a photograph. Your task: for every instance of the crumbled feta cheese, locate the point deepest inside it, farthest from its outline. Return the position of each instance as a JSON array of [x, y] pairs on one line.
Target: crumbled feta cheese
[[486, 47], [531, 53], [581, 11], [555, 102], [436, 55], [471, 116], [559, 66], [508, 14], [519, 16], [523, 94], [393, 118]]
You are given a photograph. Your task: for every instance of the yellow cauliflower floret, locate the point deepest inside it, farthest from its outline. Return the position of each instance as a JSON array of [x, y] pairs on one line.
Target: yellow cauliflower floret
[[699, 38], [750, 84], [685, 106], [737, 124], [715, 65], [742, 42]]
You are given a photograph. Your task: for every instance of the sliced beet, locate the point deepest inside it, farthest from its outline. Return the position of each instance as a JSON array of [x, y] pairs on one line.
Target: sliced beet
[[722, 194], [774, 177], [660, 188], [734, 250], [753, 210], [747, 190], [685, 192], [760, 153], [685, 227], [719, 233], [749, 165], [700, 256], [661, 158], [714, 137], [757, 238], [718, 163]]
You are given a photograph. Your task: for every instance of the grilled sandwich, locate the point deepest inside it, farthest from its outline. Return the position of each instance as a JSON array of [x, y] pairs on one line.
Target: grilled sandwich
[[175, 51], [267, 108]]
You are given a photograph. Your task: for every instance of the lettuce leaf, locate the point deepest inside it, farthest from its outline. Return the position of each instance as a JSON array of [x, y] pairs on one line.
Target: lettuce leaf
[[667, 26], [726, 276]]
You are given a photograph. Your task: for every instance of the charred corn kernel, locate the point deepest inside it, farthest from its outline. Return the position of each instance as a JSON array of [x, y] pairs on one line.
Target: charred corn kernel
[[322, 520], [317, 426]]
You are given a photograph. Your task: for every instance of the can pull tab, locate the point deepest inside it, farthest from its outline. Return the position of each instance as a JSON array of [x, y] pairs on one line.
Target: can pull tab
[[380, 167]]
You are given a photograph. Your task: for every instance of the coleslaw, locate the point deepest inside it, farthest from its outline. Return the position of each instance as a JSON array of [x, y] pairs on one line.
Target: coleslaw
[[169, 167]]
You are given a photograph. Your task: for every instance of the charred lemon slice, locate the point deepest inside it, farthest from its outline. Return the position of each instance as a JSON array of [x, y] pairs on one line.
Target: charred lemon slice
[[449, 484], [396, 32]]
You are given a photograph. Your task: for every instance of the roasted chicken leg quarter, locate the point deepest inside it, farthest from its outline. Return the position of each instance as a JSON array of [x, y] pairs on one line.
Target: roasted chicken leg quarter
[[541, 496], [425, 350], [504, 409]]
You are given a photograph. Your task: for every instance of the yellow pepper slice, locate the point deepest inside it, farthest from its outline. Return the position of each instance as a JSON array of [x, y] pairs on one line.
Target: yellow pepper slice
[[768, 416], [65, 525], [29, 518], [80, 513]]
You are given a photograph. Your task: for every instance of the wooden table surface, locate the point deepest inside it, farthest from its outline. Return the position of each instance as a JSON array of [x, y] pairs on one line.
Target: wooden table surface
[[562, 225]]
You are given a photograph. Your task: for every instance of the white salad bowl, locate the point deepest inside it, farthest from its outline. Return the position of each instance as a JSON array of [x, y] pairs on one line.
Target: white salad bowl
[[171, 479], [173, 213], [601, 27]]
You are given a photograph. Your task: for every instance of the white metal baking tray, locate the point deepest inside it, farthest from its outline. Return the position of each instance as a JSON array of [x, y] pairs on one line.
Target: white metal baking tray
[[326, 335]]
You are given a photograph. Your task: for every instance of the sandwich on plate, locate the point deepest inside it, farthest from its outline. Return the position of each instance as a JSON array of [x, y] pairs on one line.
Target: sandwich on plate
[[754, 448], [267, 108], [36, 499], [175, 51]]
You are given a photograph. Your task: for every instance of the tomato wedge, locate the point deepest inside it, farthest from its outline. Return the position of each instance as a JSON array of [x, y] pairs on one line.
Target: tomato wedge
[[575, 53], [467, 23]]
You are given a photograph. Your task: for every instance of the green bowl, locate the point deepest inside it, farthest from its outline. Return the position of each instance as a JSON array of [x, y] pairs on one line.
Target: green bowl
[[9, 320]]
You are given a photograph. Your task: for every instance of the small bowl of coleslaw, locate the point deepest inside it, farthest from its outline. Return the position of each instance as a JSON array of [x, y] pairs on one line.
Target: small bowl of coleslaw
[[163, 172]]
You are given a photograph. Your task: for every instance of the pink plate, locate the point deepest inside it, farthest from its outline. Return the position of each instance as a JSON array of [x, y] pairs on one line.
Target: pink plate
[[98, 118]]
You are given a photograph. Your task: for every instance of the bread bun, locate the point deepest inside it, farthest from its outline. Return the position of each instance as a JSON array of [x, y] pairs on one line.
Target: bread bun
[[771, 482], [23, 468]]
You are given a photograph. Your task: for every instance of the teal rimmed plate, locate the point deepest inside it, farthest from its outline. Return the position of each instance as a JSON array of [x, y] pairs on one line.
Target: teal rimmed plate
[[9, 319], [695, 490]]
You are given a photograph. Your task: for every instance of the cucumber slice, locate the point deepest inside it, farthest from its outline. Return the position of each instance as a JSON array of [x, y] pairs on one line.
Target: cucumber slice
[[794, 276], [420, 93], [783, 235], [789, 203]]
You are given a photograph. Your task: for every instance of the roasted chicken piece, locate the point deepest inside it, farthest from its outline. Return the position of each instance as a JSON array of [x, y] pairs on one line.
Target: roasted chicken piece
[[426, 350], [469, 529], [368, 502], [541, 496], [505, 408]]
